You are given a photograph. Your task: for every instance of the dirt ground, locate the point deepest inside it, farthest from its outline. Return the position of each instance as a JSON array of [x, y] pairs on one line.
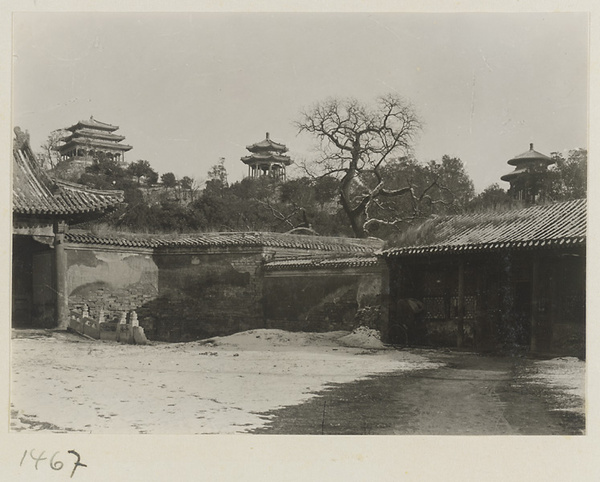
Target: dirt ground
[[272, 381], [469, 395]]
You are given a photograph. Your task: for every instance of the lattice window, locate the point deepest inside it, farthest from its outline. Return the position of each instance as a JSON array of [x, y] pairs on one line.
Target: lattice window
[[470, 307], [434, 308]]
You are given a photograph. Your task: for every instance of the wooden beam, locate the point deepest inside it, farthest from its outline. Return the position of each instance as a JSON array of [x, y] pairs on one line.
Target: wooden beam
[[60, 276]]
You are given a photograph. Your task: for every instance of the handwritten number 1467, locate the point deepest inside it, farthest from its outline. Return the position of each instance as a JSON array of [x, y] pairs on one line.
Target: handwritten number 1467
[[54, 464]]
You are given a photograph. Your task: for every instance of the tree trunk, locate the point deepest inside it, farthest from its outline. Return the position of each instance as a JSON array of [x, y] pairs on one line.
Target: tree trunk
[[356, 218]]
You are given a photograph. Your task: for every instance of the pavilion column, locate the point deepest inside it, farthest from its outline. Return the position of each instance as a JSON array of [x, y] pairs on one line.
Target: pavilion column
[[60, 276], [461, 305]]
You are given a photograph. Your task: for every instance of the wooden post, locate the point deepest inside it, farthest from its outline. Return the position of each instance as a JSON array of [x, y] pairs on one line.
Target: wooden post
[[60, 276], [461, 305], [535, 288]]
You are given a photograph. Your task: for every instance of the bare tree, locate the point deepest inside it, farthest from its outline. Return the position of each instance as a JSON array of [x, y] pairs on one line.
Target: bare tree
[[49, 155], [356, 142]]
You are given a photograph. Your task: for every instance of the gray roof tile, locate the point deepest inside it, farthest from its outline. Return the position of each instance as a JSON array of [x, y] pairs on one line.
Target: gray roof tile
[[562, 223]]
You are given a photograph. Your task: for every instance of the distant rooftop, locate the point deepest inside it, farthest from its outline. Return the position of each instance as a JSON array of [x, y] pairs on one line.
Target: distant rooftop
[[529, 155], [267, 145], [92, 123]]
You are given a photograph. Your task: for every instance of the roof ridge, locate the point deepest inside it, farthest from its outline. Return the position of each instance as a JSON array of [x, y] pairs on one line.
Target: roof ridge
[[77, 186]]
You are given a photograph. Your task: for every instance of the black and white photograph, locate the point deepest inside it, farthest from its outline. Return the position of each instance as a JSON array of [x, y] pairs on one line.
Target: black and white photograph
[[318, 223]]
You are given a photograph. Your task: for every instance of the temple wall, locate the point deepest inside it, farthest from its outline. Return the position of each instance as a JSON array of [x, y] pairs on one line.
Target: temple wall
[[325, 300], [190, 293], [205, 294]]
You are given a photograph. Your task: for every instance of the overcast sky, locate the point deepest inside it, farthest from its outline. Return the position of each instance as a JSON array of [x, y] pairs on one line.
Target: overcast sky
[[187, 89]]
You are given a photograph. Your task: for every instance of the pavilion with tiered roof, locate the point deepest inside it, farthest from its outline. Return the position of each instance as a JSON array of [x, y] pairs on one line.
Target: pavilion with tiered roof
[[527, 181], [92, 137], [267, 159]]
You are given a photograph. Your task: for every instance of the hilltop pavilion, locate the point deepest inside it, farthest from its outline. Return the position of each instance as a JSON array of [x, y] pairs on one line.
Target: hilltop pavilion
[[91, 137], [528, 180], [267, 159]]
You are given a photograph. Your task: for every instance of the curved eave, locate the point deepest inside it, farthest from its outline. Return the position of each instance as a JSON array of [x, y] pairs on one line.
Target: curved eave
[[267, 145], [80, 214], [88, 133], [93, 144], [512, 175], [286, 161], [530, 156], [92, 125]]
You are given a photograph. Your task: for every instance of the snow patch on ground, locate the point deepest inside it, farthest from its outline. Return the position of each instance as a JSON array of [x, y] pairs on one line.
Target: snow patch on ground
[[567, 376], [61, 382], [363, 337]]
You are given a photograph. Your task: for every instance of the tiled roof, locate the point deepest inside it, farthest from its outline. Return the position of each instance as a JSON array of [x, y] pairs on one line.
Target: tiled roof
[[325, 263], [267, 145], [529, 156], [558, 224], [92, 123], [267, 157], [247, 239], [95, 134], [35, 193], [519, 171], [82, 141]]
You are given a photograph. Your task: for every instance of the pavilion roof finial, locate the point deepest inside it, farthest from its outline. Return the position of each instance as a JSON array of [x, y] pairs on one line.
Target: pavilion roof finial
[[267, 135], [531, 146]]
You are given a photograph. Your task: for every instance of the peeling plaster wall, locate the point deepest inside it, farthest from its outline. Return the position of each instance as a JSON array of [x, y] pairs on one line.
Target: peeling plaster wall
[[111, 280]]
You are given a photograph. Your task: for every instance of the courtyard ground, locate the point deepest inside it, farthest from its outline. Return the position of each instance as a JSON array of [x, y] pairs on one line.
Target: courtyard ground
[[272, 381]]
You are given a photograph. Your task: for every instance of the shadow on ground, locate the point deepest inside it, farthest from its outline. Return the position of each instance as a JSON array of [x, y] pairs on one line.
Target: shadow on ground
[[470, 395]]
